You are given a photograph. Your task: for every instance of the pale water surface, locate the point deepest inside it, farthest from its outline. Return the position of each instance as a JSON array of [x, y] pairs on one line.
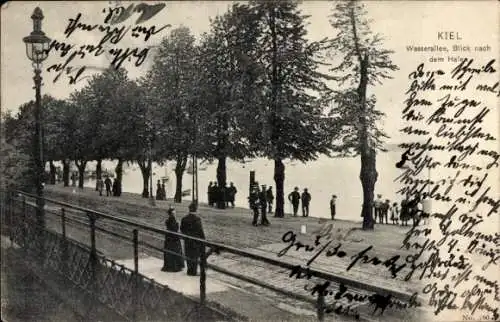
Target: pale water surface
[[323, 177]]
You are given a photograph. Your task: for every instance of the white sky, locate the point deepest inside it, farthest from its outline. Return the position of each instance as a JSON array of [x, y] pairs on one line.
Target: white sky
[[401, 24]]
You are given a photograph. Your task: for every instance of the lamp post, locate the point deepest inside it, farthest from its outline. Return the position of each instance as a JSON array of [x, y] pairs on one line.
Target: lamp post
[[37, 45]]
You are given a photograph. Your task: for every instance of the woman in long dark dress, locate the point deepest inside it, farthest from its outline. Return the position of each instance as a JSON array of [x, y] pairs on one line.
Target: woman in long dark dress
[[172, 260]]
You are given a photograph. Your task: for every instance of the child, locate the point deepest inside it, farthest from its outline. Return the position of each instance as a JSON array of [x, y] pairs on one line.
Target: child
[[395, 213]]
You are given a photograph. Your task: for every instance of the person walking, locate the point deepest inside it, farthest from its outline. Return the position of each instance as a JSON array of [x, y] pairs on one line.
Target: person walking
[[191, 226], [253, 201], [294, 198], [173, 260], [231, 191], [333, 202], [270, 199], [107, 182], [100, 186], [263, 206], [306, 198]]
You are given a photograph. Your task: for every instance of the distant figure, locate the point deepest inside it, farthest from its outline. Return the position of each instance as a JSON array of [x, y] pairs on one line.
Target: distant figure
[[385, 210], [253, 201], [294, 198], [263, 206], [172, 248], [107, 182], [231, 192], [100, 186], [158, 190], [210, 194], [306, 198], [215, 194], [333, 206], [415, 208], [377, 204], [226, 196], [73, 179], [163, 192], [191, 226], [270, 199], [394, 213], [405, 212]]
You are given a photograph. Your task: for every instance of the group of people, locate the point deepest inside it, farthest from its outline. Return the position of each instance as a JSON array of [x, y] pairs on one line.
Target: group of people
[[173, 258], [261, 202], [221, 197], [410, 209], [296, 198], [112, 187], [161, 192]]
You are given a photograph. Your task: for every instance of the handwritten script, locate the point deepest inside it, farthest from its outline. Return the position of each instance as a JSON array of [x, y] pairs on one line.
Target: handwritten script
[[118, 23], [450, 161]]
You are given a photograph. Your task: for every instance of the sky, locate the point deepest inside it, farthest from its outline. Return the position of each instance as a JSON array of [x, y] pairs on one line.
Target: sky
[[400, 23]]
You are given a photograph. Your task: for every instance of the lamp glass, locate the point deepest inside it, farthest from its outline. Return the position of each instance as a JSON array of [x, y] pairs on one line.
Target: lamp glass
[[37, 51]]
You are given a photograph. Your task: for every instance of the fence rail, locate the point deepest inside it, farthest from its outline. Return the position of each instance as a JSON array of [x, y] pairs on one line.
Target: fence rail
[[104, 270]]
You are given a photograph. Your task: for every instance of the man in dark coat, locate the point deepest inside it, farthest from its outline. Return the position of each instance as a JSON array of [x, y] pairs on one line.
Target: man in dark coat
[[215, 194], [263, 206], [294, 198], [231, 193], [191, 226], [333, 210], [210, 193], [253, 201], [107, 182], [306, 198], [270, 199]]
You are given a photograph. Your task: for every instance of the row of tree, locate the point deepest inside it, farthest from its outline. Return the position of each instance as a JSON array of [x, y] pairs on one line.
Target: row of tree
[[253, 86]]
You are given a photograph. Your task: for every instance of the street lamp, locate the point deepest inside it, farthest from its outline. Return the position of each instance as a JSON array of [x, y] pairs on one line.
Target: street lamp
[[37, 46]]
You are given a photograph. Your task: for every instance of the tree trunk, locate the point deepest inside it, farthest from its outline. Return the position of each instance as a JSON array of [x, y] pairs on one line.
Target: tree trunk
[[52, 172], [221, 182], [145, 170], [179, 171], [368, 177], [66, 172], [368, 174], [279, 179], [119, 177], [98, 173], [81, 172]]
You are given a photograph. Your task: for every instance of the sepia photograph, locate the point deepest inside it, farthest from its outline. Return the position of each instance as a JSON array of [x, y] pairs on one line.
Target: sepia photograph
[[263, 160]]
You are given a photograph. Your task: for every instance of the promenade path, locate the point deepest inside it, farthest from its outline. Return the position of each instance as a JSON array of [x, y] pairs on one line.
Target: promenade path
[[233, 227]]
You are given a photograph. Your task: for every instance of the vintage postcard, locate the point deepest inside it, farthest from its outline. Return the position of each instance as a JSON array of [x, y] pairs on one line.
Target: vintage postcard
[[250, 160]]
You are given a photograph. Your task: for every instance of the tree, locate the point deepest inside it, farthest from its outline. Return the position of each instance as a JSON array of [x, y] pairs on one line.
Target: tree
[[16, 164], [289, 121], [364, 62], [226, 85], [83, 133], [54, 134], [174, 93]]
